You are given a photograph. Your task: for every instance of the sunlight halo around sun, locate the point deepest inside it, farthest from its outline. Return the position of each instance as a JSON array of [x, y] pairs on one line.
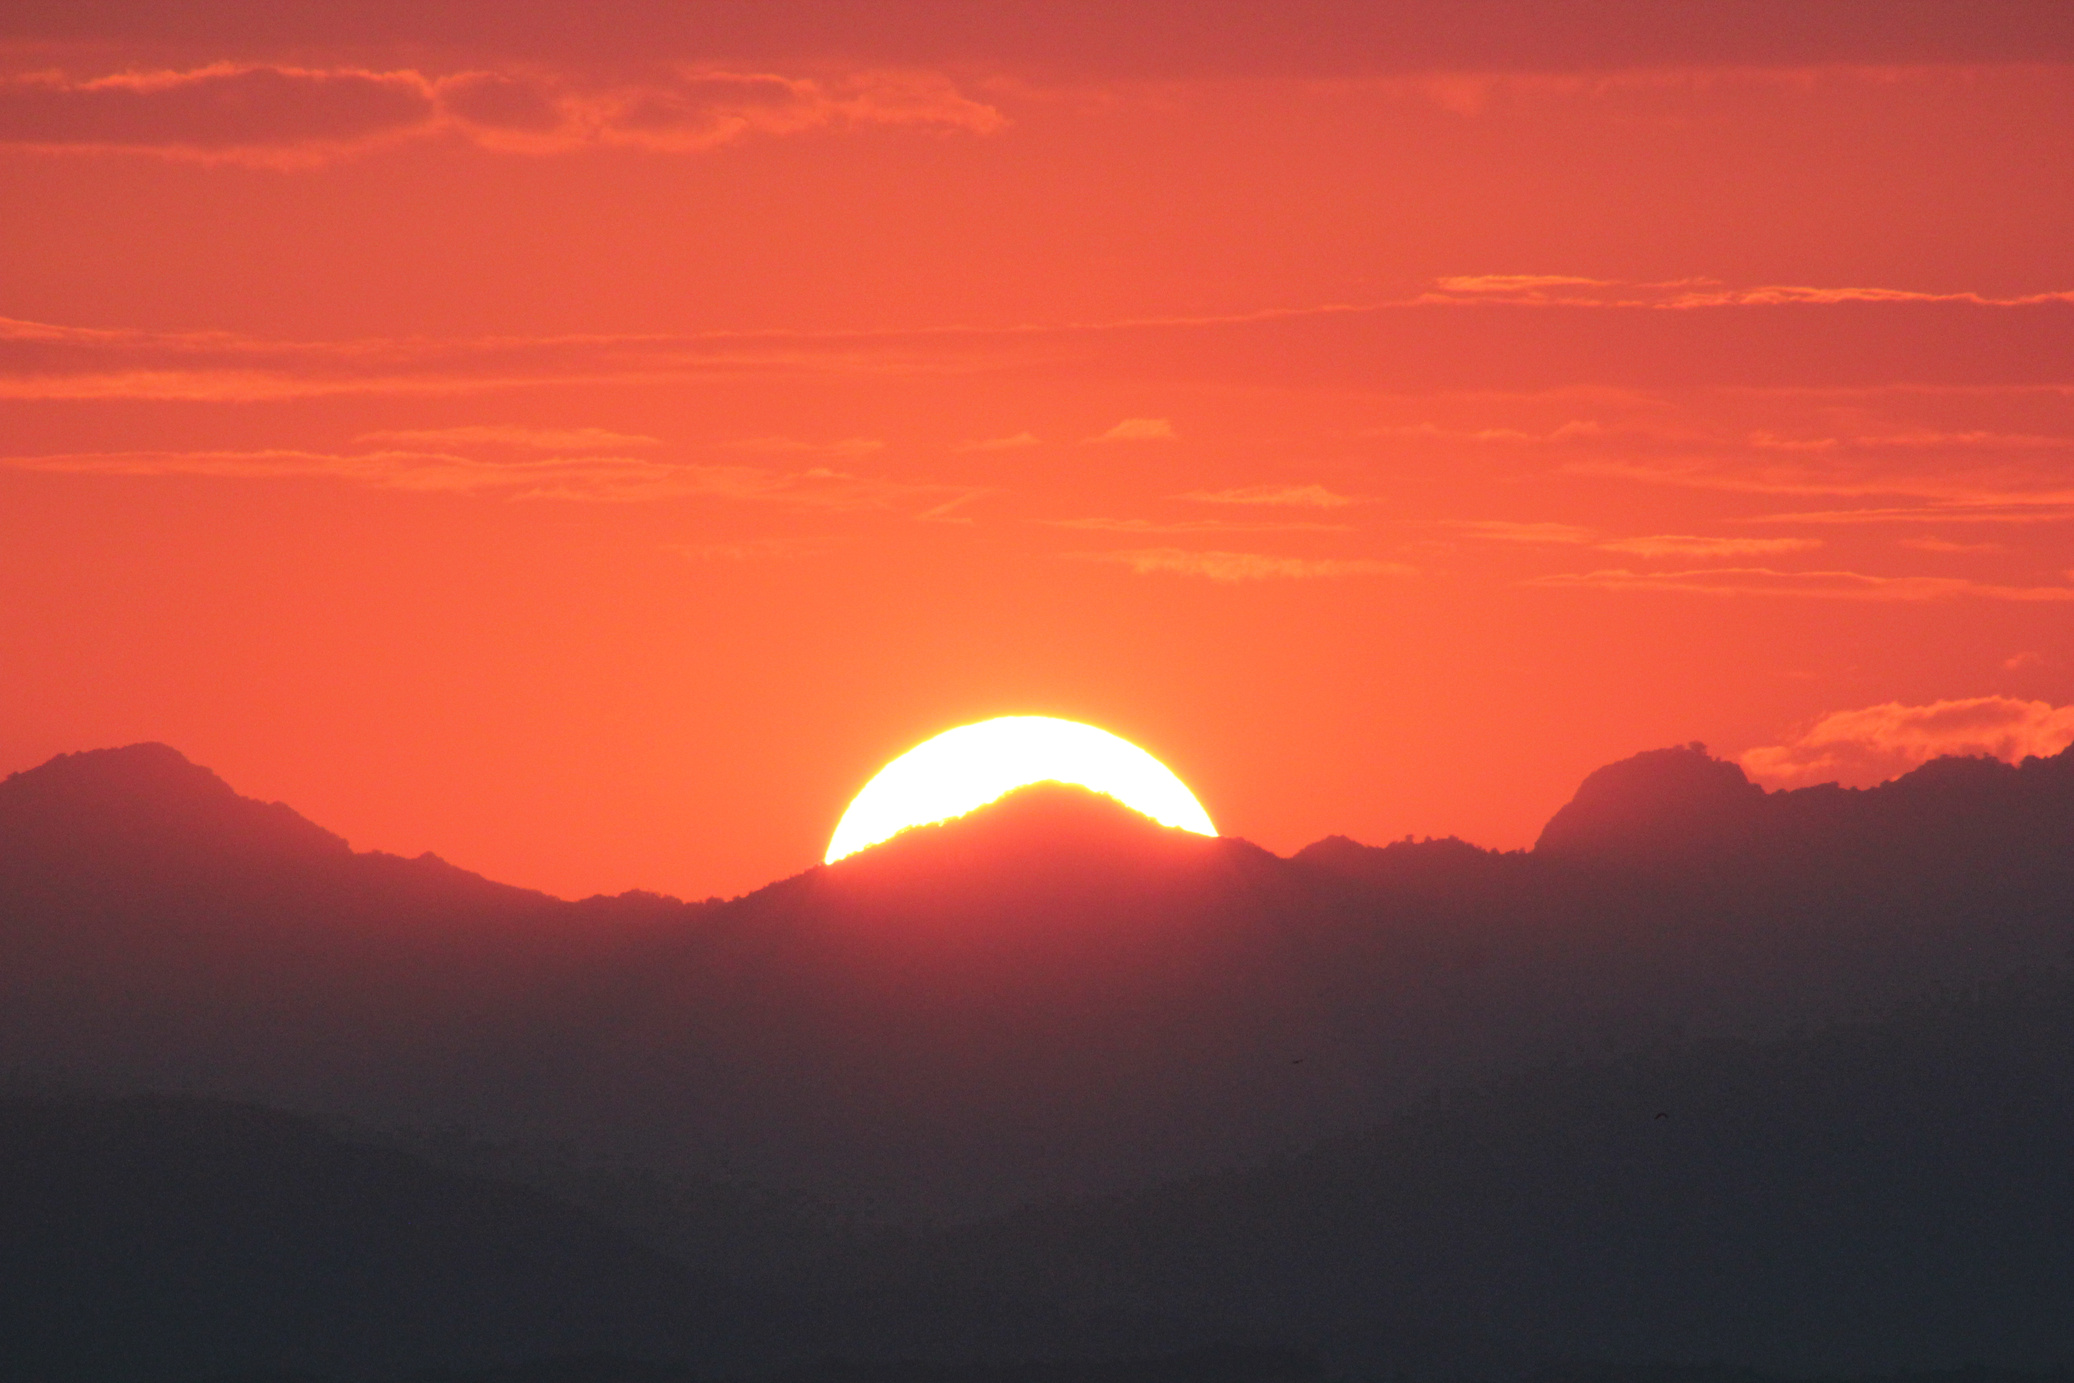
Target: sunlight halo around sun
[[972, 765]]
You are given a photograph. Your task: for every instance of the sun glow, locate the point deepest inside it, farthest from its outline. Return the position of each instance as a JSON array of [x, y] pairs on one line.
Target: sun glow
[[972, 765]]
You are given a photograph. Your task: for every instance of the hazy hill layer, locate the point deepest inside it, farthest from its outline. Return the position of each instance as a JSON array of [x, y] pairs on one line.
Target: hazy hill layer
[[172, 1239], [1051, 996], [1885, 1196], [1889, 1195]]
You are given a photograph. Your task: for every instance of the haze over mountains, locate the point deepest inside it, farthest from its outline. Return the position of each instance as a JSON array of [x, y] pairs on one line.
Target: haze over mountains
[[1048, 997], [1208, 1074]]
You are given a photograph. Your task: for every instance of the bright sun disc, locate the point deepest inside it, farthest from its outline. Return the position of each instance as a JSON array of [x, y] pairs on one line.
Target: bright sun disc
[[972, 765]]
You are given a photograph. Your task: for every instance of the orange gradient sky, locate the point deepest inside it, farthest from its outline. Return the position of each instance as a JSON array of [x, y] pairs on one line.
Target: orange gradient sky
[[589, 441]]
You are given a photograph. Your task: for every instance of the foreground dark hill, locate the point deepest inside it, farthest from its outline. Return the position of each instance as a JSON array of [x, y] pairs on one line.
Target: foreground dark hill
[[1884, 1196], [168, 1239], [1051, 996], [1888, 1195]]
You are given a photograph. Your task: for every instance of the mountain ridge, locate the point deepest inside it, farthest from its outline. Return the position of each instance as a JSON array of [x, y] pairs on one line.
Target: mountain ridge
[[1666, 804], [1049, 997]]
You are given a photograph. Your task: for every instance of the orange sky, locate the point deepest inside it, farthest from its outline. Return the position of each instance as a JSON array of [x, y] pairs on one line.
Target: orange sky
[[588, 441]]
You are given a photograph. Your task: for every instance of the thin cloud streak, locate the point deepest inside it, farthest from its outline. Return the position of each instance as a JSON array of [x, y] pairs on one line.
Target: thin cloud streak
[[1106, 525], [1690, 545], [1139, 430], [280, 116], [2044, 509], [1508, 531], [1319, 345], [1808, 585], [1284, 496], [1975, 440], [1946, 545], [794, 446], [1958, 498], [591, 478], [492, 434], [1648, 545], [1559, 290], [1239, 566]]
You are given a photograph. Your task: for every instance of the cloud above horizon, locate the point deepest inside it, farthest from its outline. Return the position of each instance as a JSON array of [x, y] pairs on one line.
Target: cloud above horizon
[[1563, 290], [1806, 585], [1109, 525], [1433, 345], [1694, 545], [1138, 430], [591, 478], [1240, 566], [1878, 743], [1285, 496], [280, 115], [495, 434], [1545, 533]]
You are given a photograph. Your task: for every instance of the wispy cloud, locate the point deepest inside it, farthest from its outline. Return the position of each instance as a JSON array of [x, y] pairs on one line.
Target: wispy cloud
[[1284, 496], [596, 478], [1508, 531], [1240, 566], [286, 116], [1576, 430], [2050, 508], [225, 112], [2034, 494], [1813, 585], [1946, 545], [1565, 290], [1690, 545], [1457, 343], [845, 447], [1138, 430], [494, 434], [1107, 525], [41, 360], [1871, 745], [1471, 89], [1972, 440], [1647, 545], [1014, 443]]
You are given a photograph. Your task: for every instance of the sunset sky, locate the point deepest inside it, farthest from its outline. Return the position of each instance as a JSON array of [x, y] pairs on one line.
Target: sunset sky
[[587, 441]]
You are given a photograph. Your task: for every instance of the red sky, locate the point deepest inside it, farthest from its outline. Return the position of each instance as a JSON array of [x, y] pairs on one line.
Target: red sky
[[588, 441]]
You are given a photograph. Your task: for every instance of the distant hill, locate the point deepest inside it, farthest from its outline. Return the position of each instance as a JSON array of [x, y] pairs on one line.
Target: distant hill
[[150, 1239], [1712, 1077], [1865, 1199], [1874, 1197], [1050, 997]]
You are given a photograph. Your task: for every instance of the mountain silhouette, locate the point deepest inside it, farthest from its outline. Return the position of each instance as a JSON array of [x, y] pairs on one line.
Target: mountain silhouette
[[1712, 1075], [1048, 997], [1870, 1197], [1659, 807]]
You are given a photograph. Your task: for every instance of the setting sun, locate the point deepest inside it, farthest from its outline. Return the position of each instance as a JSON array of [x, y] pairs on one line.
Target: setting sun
[[972, 765]]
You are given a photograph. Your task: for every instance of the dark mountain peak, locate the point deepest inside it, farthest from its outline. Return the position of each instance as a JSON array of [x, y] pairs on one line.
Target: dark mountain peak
[[1046, 875], [132, 770], [1970, 775], [147, 796], [1444, 867], [1660, 804], [1040, 824]]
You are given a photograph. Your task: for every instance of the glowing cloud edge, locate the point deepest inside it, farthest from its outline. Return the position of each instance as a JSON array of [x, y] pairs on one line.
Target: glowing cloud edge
[[966, 768]]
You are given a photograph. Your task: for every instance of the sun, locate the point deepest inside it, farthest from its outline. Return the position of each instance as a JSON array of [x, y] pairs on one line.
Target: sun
[[974, 764]]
